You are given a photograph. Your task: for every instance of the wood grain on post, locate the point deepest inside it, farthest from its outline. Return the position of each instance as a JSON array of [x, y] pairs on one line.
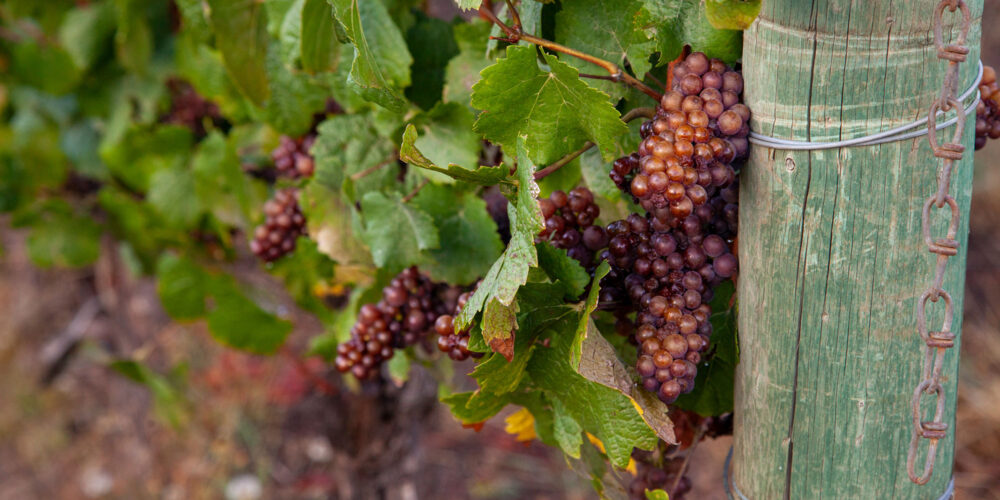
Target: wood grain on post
[[831, 249]]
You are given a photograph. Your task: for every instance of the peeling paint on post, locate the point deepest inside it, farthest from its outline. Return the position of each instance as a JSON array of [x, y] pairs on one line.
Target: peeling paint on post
[[831, 251]]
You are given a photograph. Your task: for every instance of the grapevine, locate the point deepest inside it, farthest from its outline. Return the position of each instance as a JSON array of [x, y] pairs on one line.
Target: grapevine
[[483, 204]]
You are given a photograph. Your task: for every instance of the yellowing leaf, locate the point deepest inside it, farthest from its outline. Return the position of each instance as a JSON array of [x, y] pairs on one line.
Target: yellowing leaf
[[522, 425]]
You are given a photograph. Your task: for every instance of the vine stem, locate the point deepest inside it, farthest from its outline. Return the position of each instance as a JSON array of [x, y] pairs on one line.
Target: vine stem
[[515, 34], [416, 190], [648, 113], [374, 168]]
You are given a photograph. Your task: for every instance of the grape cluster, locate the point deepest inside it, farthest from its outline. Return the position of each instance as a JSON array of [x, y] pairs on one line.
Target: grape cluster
[[669, 275], [455, 344], [665, 265], [699, 130], [283, 224], [988, 110], [411, 305], [292, 158], [569, 224], [189, 109]]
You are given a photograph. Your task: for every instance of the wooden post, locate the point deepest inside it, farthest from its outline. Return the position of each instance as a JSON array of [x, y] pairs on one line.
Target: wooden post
[[831, 251]]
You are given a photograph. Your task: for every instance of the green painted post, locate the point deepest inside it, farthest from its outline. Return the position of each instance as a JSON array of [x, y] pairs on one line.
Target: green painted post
[[831, 251]]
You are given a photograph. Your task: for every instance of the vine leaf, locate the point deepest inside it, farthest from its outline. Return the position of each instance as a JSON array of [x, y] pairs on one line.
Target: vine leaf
[[446, 134], [318, 42], [240, 29], [463, 70], [613, 30], [486, 176], [381, 60], [732, 14], [605, 412], [562, 269], [554, 109], [470, 242], [396, 231], [685, 22], [468, 4], [348, 144], [583, 328], [238, 322], [510, 271], [182, 286]]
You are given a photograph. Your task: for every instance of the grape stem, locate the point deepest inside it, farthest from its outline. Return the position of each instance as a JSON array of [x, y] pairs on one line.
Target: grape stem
[[516, 33], [647, 113], [374, 168], [416, 190]]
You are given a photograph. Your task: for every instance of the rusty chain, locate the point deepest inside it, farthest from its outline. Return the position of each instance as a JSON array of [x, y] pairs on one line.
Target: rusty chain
[[938, 342]]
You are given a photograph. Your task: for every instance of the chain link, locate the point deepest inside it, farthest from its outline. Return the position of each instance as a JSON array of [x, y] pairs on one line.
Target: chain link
[[937, 342]]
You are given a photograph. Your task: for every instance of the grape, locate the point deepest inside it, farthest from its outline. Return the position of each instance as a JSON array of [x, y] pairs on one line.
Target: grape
[[291, 157], [988, 109], [411, 306], [569, 224], [189, 109], [454, 344], [284, 223]]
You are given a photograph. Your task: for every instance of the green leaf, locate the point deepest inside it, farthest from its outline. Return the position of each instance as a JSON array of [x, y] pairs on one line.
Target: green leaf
[[168, 402], [142, 152], [602, 411], [194, 18], [48, 67], [221, 187], [600, 364], [468, 4], [583, 327], [134, 37], [300, 271], [432, 44], [471, 410], [182, 286], [486, 176], [349, 144], [238, 322], [554, 109], [399, 368], [329, 221], [613, 30], [657, 495], [595, 173], [562, 269], [319, 42], [381, 60], [510, 271], [446, 134], [172, 194], [59, 237], [463, 70], [396, 231], [713, 389], [240, 28], [732, 14], [469, 241], [294, 97], [681, 22], [86, 33], [566, 429]]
